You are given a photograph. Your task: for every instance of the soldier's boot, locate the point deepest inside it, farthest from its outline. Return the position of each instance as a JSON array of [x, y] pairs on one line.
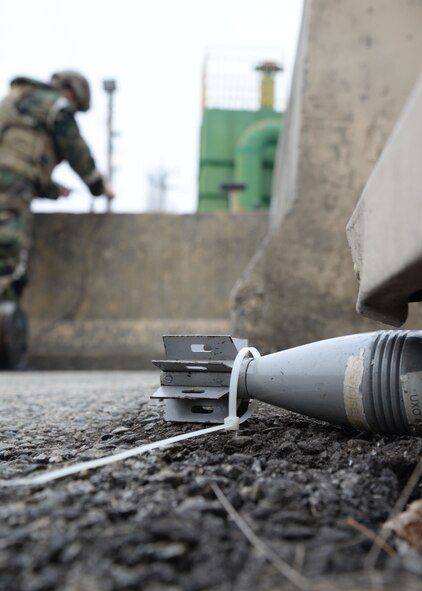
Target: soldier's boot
[[13, 336]]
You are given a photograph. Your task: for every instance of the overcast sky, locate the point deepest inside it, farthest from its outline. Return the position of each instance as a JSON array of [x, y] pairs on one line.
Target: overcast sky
[[155, 51]]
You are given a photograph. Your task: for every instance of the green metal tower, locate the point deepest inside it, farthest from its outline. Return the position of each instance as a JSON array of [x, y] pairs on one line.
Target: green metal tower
[[238, 145]]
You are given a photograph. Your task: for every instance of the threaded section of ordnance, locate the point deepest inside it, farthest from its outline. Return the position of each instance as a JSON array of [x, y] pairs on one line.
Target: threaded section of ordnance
[[383, 404]]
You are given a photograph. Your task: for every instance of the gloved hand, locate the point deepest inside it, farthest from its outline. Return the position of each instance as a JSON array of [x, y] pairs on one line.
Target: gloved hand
[[63, 191], [108, 191]]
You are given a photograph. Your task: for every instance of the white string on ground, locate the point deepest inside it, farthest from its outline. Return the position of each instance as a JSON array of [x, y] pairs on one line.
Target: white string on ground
[[231, 423], [91, 464]]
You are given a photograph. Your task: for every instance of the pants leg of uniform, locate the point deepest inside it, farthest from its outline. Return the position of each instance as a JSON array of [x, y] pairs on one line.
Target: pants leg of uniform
[[15, 240]]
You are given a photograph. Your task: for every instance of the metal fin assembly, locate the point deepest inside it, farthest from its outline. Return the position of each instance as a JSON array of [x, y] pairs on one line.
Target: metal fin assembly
[[195, 377]]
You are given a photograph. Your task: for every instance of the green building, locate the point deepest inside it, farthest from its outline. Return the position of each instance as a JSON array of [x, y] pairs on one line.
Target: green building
[[237, 151]]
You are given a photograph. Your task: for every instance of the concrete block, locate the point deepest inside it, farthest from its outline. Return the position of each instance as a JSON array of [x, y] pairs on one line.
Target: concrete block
[[104, 288], [356, 65]]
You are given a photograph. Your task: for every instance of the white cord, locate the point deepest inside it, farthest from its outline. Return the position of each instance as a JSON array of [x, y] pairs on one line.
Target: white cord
[[89, 465], [231, 423]]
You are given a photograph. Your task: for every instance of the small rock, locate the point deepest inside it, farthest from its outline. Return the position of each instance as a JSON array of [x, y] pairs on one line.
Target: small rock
[[150, 419], [166, 475], [119, 430], [41, 459], [199, 504], [287, 447], [71, 552], [311, 447], [165, 551], [240, 440]]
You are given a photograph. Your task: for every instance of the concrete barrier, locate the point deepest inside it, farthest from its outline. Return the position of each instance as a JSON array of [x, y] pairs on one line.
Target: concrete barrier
[[104, 288], [356, 65]]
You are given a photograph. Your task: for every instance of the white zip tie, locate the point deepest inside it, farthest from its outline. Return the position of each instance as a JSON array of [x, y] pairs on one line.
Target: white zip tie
[[231, 423]]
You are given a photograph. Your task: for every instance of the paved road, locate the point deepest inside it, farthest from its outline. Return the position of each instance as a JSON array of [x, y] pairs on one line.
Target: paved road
[[42, 402], [154, 523], [63, 414]]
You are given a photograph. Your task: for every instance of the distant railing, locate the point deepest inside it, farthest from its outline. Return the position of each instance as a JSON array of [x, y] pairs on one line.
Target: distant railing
[[230, 79]]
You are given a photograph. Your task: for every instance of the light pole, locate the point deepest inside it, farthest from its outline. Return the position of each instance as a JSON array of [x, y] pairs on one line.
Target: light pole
[[110, 88]]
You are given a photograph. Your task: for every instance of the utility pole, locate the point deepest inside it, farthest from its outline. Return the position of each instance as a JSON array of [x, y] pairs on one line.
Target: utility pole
[[110, 87], [159, 187]]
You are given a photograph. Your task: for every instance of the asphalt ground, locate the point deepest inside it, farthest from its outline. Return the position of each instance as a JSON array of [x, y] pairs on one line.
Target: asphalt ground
[[155, 522]]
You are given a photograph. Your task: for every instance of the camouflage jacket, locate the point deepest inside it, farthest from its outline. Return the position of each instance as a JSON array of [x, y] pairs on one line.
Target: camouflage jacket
[[38, 131]]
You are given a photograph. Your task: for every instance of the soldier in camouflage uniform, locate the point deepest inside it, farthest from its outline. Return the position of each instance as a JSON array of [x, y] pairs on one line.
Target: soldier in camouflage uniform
[[37, 131]]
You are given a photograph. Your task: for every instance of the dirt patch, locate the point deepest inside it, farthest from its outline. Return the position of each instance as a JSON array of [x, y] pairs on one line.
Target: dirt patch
[[154, 522]]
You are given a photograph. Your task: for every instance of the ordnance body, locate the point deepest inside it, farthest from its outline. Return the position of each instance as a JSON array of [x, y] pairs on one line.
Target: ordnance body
[[370, 381]]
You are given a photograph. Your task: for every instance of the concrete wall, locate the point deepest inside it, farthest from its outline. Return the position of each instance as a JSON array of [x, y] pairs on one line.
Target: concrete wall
[[357, 63], [104, 288]]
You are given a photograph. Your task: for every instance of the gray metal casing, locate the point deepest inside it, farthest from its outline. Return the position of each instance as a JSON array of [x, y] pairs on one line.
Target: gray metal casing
[[370, 381]]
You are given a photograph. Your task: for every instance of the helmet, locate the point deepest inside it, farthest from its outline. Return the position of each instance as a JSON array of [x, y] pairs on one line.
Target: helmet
[[75, 81]]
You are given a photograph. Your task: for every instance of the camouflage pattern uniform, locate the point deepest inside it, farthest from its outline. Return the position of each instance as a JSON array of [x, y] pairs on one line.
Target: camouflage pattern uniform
[[37, 131]]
